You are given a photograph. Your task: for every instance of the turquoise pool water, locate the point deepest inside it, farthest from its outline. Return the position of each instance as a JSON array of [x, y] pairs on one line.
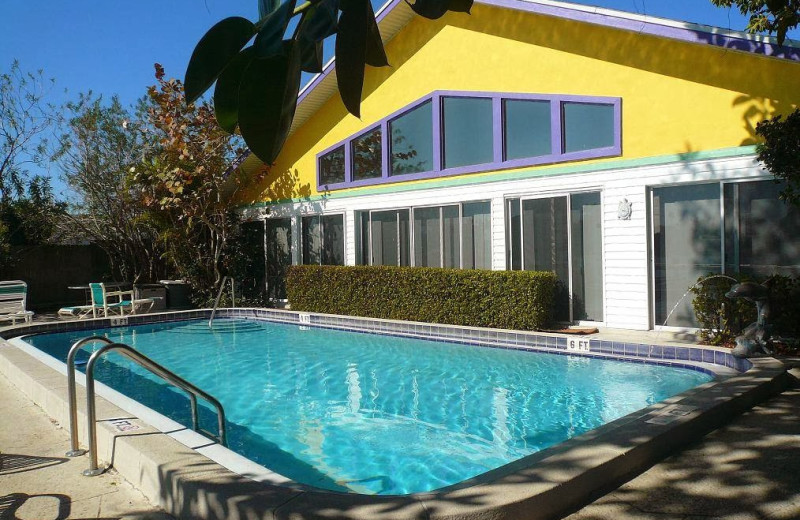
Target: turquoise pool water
[[376, 414]]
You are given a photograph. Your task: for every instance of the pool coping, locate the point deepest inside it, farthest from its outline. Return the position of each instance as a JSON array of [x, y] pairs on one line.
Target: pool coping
[[547, 484]]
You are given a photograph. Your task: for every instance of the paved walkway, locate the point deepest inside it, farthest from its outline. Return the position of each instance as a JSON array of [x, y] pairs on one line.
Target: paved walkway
[[38, 483], [747, 470]]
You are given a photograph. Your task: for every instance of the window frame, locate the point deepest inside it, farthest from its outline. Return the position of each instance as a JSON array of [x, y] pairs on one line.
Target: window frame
[[436, 98], [322, 236]]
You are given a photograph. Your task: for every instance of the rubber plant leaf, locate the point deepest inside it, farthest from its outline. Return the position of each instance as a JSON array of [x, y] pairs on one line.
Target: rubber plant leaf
[[351, 53], [376, 55], [310, 55], [431, 9], [213, 52], [320, 21], [266, 7], [269, 40], [226, 92], [460, 6], [267, 101]]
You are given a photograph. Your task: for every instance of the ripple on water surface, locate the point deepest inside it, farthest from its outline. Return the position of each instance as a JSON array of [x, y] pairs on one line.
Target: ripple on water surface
[[377, 414]]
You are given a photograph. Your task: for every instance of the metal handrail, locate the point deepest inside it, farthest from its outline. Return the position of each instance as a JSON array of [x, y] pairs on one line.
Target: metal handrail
[[219, 295], [72, 396], [156, 369]]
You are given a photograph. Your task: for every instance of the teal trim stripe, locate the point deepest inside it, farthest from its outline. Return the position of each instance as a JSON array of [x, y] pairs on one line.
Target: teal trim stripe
[[466, 180], [14, 289]]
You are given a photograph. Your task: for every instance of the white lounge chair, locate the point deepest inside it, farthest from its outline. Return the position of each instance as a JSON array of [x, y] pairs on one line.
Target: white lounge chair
[[76, 311], [13, 298]]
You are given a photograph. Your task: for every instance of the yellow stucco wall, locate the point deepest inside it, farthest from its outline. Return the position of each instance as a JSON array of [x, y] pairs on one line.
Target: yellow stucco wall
[[676, 97]]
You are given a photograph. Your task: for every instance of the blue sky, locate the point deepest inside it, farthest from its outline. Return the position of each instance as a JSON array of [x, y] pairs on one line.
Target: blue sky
[[110, 47]]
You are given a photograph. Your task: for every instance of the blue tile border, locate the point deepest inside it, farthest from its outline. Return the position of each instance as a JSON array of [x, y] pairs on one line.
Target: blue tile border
[[505, 339]]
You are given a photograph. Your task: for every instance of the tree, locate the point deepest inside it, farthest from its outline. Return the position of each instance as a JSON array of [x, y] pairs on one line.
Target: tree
[[257, 86], [780, 151], [25, 117], [767, 16], [101, 145], [28, 207], [187, 187]]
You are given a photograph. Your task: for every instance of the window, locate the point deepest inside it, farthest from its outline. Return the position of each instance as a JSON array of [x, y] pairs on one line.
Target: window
[[762, 233], [526, 129], [470, 132], [588, 126], [279, 255], [561, 234], [331, 167], [389, 238], [467, 131], [411, 140], [323, 240], [253, 258], [454, 236], [758, 234], [437, 239], [367, 155], [476, 243]]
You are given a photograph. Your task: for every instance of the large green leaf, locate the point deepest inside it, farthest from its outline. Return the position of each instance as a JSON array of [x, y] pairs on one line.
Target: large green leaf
[[269, 40], [320, 20], [351, 53], [267, 101], [226, 92], [376, 55], [214, 51], [266, 7], [432, 9], [310, 55]]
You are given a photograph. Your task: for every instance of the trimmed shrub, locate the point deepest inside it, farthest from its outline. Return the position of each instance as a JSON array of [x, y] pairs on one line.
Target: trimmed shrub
[[521, 300], [722, 319]]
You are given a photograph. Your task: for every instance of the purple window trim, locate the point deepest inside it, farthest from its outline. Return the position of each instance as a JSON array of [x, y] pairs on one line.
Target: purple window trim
[[557, 154]]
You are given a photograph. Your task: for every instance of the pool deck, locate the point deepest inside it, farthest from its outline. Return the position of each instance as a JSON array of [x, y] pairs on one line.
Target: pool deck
[[38, 482], [750, 468]]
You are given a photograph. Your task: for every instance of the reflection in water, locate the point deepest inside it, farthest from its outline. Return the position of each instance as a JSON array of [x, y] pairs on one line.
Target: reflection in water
[[376, 414]]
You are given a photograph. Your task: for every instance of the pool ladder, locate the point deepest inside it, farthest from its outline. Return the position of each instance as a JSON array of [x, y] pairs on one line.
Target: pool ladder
[[91, 415], [219, 295]]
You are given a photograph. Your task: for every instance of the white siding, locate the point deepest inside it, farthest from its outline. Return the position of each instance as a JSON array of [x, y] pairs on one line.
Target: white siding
[[626, 262]]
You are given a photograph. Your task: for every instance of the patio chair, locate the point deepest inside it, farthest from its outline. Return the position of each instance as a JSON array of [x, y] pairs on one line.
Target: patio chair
[[13, 297], [101, 300]]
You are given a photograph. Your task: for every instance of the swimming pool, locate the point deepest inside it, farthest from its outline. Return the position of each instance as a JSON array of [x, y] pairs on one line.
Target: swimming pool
[[378, 414]]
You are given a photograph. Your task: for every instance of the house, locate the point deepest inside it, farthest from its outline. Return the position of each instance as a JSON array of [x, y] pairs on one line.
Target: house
[[613, 148]]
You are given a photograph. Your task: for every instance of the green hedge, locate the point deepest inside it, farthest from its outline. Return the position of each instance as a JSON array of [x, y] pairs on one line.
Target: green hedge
[[521, 300], [722, 319]]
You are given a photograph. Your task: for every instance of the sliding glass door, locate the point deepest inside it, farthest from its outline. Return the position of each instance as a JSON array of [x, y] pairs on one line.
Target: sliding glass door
[[561, 234], [728, 227]]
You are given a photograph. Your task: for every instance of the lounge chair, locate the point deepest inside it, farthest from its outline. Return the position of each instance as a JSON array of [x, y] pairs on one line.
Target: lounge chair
[[76, 311], [101, 297], [13, 298]]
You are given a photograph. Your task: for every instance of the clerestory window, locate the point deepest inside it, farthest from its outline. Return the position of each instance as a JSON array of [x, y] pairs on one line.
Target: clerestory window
[[455, 133]]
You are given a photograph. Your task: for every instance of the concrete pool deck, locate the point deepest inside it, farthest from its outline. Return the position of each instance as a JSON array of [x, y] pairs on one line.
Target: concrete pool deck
[[183, 476]]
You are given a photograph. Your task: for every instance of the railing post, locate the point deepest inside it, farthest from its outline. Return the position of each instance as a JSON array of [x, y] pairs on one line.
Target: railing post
[[156, 369], [91, 415], [219, 295], [72, 397]]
